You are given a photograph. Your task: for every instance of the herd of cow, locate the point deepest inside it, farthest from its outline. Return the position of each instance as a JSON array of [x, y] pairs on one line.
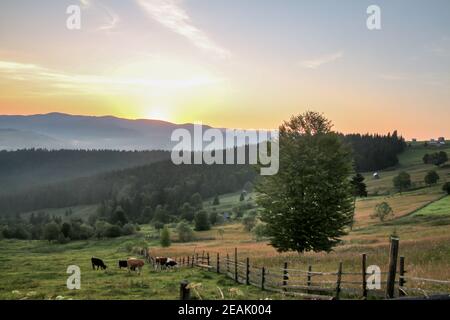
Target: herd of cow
[[135, 264]]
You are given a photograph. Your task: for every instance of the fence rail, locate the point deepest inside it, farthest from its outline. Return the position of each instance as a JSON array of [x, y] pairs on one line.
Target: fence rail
[[317, 284]]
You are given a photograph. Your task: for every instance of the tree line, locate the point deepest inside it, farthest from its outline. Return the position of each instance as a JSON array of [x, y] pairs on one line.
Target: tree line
[[373, 152]]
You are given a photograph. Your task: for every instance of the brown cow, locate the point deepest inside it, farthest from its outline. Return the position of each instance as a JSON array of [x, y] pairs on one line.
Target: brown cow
[[135, 264], [160, 262]]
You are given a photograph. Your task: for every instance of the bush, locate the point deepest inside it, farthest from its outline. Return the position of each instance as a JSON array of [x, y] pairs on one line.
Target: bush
[[129, 229], [260, 231], [113, 231], [158, 225], [165, 237], [16, 232], [185, 232], [51, 231], [62, 239], [402, 181], [446, 187], [202, 221], [86, 232], [431, 177], [249, 222], [213, 217], [382, 211]]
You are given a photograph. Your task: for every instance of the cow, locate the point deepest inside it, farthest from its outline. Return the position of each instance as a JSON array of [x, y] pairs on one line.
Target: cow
[[124, 264], [170, 263], [160, 262], [96, 262], [135, 264]]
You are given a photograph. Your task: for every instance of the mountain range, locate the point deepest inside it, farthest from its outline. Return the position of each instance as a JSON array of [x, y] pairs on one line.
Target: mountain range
[[63, 131]]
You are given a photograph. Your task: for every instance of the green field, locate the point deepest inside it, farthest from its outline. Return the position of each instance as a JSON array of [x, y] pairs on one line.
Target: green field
[[37, 270], [438, 208]]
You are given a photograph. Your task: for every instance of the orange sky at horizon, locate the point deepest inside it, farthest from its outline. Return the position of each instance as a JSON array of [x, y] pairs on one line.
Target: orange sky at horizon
[[182, 61]]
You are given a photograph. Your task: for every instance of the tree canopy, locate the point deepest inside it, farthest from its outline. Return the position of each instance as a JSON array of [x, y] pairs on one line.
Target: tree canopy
[[308, 204]]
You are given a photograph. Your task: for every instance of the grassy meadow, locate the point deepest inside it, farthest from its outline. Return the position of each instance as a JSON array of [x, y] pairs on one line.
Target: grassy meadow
[[37, 269]]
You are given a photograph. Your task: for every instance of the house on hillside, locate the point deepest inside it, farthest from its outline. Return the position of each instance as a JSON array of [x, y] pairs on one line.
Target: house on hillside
[[439, 142]]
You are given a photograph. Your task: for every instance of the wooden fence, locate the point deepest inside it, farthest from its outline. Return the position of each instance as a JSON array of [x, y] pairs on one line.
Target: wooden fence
[[317, 284]]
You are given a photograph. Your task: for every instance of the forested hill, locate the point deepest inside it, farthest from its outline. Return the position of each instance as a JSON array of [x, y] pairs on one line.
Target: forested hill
[[375, 152], [161, 183], [24, 169], [55, 179]]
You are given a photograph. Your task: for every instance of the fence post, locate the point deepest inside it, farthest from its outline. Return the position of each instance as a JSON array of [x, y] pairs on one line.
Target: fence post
[[235, 265], [228, 263], [285, 276], [364, 275], [338, 281], [308, 280], [401, 281], [218, 263], [185, 293], [203, 257], [393, 255], [247, 272], [207, 259], [188, 261], [263, 277], [192, 262], [196, 258]]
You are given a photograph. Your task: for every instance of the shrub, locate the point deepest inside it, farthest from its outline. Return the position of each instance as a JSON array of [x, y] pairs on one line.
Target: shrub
[[165, 237], [51, 231], [202, 221], [260, 231], [249, 222], [431, 177], [382, 211], [113, 231], [213, 217], [446, 187], [402, 181], [129, 229], [185, 232]]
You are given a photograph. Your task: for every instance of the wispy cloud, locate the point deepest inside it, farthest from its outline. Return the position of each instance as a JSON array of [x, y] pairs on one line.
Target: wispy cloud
[[113, 20], [172, 16], [36, 74], [319, 61]]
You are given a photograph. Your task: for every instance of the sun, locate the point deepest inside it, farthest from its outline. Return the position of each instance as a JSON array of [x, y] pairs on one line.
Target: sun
[[158, 113]]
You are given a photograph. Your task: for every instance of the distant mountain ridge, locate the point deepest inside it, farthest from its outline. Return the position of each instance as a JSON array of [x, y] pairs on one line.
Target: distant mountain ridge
[[64, 131]]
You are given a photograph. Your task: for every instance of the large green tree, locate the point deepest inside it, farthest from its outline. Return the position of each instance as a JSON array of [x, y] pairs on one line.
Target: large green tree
[[308, 204]]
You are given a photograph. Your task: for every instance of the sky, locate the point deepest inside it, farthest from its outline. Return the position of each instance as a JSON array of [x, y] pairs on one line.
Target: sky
[[230, 63]]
